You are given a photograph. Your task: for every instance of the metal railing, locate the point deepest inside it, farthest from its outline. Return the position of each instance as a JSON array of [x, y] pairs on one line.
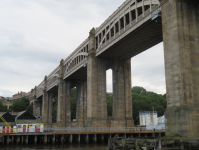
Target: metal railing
[[104, 129]]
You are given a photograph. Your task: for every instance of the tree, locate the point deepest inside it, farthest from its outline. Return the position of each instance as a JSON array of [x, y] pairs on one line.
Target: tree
[[30, 108], [20, 104], [2, 107], [139, 90]]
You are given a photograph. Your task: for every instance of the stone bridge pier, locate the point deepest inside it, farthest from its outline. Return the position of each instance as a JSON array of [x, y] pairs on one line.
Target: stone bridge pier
[[180, 20], [96, 90]]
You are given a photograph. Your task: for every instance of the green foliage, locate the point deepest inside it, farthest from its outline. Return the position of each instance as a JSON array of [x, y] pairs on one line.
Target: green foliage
[[109, 100], [145, 101], [21, 105], [139, 90], [30, 108], [2, 108]]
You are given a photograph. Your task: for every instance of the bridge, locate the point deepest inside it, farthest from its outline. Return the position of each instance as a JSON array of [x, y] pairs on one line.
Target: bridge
[[133, 28]]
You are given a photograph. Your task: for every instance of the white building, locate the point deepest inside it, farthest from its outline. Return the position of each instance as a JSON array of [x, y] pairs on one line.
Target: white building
[[148, 118]]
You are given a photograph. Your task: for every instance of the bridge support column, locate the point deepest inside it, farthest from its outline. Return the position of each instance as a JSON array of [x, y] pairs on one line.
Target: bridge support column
[[50, 108], [61, 102], [96, 87], [81, 105], [45, 103], [37, 108], [122, 95], [180, 20]]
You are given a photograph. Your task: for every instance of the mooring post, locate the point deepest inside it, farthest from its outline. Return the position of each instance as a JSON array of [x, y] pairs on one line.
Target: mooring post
[[53, 139], [71, 138], [35, 140], [78, 139], [87, 138]]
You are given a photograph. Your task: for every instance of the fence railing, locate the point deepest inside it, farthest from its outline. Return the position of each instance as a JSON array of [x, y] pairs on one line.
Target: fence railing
[[104, 129]]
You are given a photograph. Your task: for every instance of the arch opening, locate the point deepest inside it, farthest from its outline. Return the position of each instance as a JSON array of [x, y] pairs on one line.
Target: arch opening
[[109, 92]]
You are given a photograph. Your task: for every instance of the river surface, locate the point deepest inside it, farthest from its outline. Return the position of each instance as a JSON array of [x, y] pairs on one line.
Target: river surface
[[57, 147]]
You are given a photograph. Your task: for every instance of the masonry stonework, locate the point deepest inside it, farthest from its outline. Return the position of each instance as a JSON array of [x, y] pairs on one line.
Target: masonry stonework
[[180, 20]]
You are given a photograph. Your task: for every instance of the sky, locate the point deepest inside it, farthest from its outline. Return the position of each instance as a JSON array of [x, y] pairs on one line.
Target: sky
[[36, 34]]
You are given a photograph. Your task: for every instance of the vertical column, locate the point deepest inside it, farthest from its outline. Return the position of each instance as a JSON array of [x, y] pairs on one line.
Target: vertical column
[[50, 107], [67, 99], [96, 87], [136, 11], [81, 105], [180, 19], [37, 108], [45, 102], [61, 101], [122, 96]]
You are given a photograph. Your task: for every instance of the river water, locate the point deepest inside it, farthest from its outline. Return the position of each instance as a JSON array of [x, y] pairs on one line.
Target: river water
[[57, 147]]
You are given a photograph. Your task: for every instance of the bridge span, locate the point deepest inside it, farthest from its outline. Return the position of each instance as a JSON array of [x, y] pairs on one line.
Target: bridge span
[[133, 28]]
